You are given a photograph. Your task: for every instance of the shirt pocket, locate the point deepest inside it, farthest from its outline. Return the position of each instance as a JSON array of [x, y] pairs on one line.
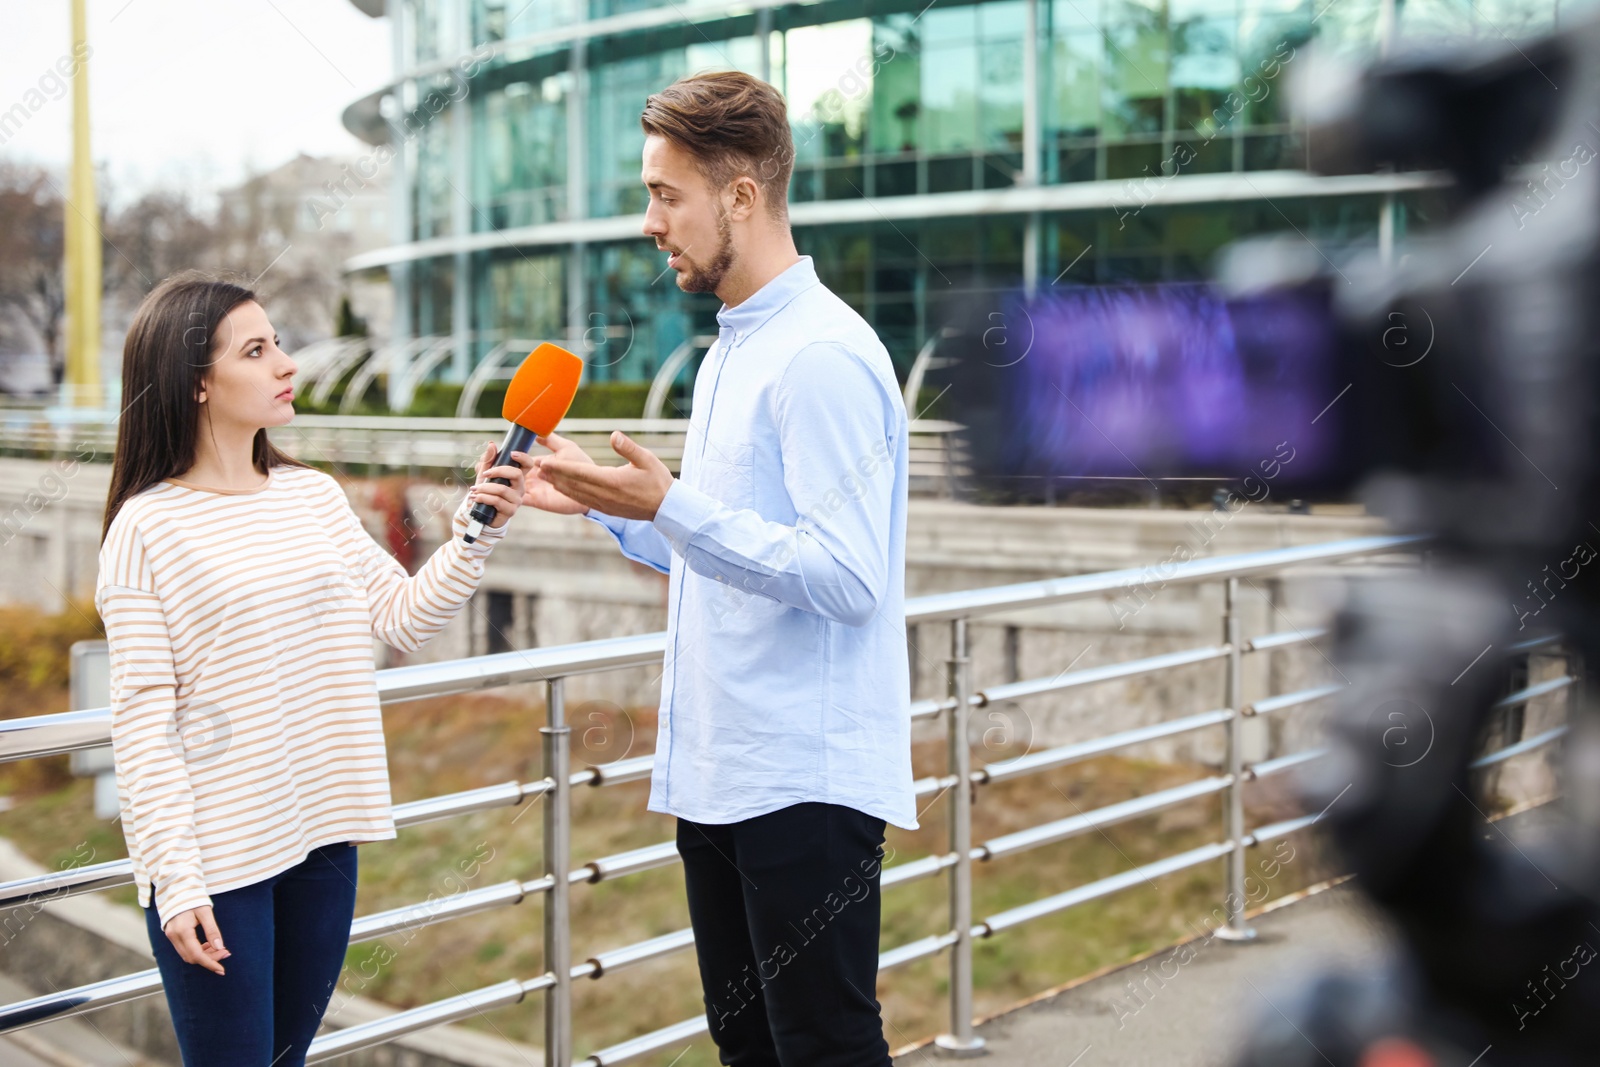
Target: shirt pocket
[[727, 473]]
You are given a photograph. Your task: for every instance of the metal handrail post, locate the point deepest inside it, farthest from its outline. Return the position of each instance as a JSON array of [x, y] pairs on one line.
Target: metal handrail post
[[950, 482], [1236, 928], [557, 860], [960, 1040]]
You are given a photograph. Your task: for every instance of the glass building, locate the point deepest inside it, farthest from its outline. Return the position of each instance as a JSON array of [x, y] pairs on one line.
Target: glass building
[[943, 146]]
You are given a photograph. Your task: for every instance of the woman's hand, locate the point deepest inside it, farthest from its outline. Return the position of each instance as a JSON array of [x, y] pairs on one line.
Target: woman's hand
[[541, 493], [505, 498], [180, 931]]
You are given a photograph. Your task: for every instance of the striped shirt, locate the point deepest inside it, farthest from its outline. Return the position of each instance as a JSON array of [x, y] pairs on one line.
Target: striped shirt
[[244, 703]]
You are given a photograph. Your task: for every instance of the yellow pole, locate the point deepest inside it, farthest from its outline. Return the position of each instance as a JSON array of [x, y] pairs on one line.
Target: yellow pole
[[83, 280]]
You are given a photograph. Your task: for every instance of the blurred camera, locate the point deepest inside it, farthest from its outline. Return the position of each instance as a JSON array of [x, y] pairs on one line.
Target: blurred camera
[[1452, 387]]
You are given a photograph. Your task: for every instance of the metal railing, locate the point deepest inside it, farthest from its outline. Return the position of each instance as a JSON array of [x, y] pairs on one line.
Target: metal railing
[[375, 443], [54, 734]]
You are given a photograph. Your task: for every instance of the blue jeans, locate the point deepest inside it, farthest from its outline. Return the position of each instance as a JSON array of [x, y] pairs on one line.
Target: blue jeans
[[287, 935]]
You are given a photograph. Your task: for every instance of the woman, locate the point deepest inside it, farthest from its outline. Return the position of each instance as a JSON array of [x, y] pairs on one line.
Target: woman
[[240, 595]]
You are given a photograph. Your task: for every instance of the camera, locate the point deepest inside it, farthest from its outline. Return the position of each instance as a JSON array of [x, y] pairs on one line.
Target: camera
[[1452, 387]]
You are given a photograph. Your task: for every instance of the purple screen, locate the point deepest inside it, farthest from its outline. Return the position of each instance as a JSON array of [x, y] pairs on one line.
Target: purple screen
[[1166, 380]]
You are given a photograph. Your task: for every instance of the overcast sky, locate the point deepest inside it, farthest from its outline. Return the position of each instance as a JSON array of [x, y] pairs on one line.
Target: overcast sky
[[194, 94]]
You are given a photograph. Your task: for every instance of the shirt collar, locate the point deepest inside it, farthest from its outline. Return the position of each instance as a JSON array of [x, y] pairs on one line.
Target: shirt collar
[[767, 301]]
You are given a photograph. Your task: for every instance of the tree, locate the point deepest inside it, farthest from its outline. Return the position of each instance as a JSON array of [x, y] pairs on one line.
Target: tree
[[259, 236], [156, 236], [263, 227], [33, 298]]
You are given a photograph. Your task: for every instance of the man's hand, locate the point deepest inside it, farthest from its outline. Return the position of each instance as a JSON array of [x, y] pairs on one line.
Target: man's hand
[[634, 491], [208, 953], [540, 492]]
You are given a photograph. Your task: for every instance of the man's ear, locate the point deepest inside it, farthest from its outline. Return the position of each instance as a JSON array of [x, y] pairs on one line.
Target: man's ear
[[743, 197]]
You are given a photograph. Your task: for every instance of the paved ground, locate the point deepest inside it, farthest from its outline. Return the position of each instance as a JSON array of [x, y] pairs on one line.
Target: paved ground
[[1190, 1018], [1194, 1018]]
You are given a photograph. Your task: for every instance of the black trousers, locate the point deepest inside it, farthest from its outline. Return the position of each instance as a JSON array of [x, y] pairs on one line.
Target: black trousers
[[786, 910]]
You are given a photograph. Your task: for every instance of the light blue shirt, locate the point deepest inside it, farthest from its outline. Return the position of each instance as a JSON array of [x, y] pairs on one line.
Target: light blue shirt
[[783, 537]]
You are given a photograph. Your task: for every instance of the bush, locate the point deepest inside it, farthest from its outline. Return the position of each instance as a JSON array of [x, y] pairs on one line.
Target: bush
[[610, 400], [597, 400], [434, 400], [438, 400], [34, 647]]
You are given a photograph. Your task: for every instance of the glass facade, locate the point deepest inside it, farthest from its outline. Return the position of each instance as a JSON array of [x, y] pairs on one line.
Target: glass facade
[[617, 92], [519, 161], [527, 155]]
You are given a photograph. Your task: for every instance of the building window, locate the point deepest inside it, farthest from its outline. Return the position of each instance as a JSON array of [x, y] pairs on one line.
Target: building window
[[500, 622]]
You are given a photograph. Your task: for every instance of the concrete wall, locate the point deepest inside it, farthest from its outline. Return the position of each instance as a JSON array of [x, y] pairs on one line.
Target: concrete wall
[[558, 579]]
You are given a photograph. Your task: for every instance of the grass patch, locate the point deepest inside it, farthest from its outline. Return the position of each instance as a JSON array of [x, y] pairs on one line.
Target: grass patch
[[449, 744]]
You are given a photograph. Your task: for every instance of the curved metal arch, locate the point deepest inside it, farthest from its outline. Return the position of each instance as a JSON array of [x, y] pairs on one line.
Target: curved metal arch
[[487, 370], [925, 361], [389, 357], [311, 359], [416, 372], [324, 380], [661, 384]]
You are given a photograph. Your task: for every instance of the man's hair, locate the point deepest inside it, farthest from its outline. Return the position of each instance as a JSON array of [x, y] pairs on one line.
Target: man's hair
[[732, 124]]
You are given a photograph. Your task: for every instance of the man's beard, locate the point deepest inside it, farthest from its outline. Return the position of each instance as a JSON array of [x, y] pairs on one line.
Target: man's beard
[[706, 279]]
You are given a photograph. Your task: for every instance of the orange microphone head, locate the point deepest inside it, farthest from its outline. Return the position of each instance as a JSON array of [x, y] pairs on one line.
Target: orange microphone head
[[542, 389]]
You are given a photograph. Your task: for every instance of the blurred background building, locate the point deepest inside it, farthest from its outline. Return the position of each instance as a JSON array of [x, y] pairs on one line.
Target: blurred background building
[[304, 216], [941, 147]]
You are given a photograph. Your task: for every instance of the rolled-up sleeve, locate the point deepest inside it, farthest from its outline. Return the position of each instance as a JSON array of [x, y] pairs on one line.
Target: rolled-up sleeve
[[838, 428]]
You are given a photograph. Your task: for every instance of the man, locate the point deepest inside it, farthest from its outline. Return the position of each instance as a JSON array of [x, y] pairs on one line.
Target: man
[[784, 737]]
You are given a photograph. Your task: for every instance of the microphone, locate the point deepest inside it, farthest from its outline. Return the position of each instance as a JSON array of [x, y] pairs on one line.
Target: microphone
[[536, 400]]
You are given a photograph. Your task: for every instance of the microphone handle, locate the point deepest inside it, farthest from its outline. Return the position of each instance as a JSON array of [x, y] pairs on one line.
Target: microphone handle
[[518, 439]]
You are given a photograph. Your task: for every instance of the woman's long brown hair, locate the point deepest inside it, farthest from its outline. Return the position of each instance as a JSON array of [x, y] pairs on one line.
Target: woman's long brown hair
[[164, 365]]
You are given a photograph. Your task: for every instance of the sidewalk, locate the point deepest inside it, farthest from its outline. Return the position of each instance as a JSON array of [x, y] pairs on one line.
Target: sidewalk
[[1190, 1019], [1171, 1010]]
